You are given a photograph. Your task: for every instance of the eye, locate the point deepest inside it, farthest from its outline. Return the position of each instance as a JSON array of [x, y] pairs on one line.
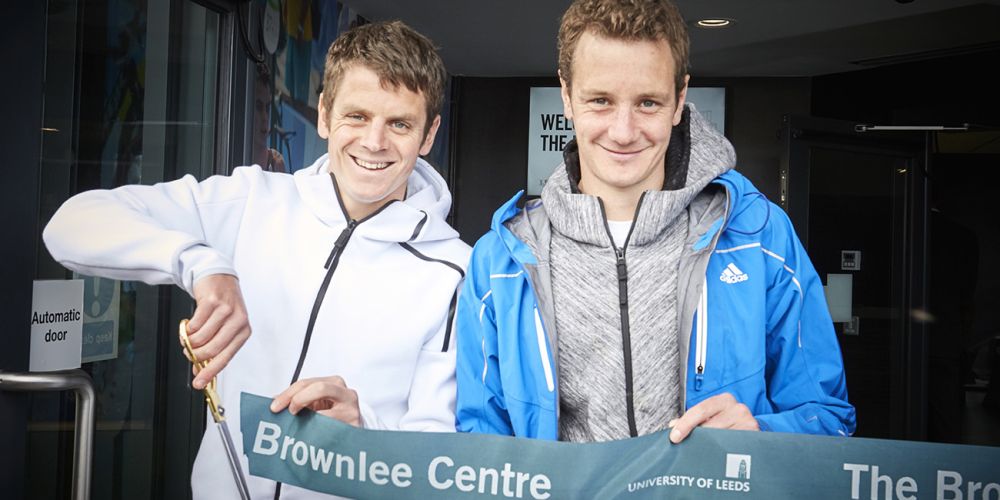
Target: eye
[[648, 104], [400, 125], [355, 117], [599, 101]]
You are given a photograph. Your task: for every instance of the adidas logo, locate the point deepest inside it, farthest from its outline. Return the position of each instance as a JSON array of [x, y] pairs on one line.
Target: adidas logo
[[732, 274]]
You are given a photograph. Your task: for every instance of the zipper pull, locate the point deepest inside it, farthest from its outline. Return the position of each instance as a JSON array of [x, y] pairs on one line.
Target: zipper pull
[[699, 377], [341, 242]]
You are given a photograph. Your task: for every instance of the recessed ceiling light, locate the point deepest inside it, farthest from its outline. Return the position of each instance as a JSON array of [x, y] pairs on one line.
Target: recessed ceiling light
[[719, 22]]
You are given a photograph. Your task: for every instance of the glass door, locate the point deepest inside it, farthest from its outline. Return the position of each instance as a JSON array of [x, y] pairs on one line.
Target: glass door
[[858, 203], [132, 95]]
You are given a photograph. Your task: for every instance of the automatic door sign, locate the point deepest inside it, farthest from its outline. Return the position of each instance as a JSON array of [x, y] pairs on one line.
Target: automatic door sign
[[56, 325]]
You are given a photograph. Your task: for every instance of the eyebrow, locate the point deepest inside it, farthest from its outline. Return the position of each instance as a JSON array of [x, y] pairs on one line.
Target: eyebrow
[[664, 96], [404, 118], [347, 110]]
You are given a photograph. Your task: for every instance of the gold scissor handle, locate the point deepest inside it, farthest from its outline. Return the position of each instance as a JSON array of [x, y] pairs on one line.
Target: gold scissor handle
[[211, 396]]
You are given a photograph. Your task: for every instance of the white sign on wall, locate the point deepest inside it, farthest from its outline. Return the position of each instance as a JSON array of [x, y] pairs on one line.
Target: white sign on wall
[[548, 133], [549, 130], [711, 104], [56, 325]]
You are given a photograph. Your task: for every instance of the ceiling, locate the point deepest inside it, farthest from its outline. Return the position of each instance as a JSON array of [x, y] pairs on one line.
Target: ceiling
[[770, 37]]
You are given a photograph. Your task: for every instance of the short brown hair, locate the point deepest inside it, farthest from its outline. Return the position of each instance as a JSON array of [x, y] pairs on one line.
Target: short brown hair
[[630, 20], [396, 53]]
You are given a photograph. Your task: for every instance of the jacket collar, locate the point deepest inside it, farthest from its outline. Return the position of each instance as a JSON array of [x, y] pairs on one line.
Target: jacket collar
[[420, 217]]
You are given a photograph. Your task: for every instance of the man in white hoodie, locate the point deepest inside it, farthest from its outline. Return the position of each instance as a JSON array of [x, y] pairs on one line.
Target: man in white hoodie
[[346, 271]]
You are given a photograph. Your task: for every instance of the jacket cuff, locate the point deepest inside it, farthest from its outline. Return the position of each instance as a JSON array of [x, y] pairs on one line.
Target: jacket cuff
[[199, 261]]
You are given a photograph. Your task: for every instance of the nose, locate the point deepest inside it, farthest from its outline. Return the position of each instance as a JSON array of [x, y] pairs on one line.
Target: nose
[[374, 136], [623, 128]]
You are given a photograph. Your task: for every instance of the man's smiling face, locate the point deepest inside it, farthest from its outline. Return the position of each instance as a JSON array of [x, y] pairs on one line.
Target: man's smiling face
[[374, 136], [623, 105]]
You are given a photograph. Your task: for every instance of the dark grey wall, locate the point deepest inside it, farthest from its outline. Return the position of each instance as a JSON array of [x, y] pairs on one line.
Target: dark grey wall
[[491, 139], [754, 110], [23, 46], [491, 147]]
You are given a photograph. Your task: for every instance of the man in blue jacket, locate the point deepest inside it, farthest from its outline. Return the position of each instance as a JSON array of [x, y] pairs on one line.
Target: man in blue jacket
[[651, 286]]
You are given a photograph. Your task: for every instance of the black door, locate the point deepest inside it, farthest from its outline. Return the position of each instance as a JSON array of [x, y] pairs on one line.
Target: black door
[[858, 201]]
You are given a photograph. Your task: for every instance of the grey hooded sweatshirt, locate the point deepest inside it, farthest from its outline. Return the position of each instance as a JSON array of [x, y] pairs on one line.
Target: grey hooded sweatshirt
[[617, 310]]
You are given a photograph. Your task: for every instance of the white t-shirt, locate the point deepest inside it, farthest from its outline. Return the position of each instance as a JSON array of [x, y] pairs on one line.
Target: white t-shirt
[[619, 231]]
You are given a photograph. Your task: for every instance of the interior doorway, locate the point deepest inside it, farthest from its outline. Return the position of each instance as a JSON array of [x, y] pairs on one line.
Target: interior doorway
[[904, 221]]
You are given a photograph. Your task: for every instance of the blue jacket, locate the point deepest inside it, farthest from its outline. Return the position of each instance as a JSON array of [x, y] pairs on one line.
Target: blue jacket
[[768, 339]]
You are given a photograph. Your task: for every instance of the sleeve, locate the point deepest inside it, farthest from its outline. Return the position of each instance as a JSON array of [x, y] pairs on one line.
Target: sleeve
[[431, 403], [805, 371], [481, 407], [168, 233]]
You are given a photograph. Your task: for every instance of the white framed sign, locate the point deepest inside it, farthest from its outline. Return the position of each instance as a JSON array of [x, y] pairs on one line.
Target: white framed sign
[[56, 325], [549, 130], [711, 103], [548, 133]]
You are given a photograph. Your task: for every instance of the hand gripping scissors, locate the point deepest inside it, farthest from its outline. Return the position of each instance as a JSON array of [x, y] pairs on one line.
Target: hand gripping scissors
[[218, 414]]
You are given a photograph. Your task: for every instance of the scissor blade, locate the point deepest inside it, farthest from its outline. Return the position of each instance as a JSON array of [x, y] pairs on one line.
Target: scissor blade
[[234, 460]]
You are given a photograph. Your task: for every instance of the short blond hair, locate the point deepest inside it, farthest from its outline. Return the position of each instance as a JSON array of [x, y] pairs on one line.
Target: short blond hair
[[396, 53], [629, 20]]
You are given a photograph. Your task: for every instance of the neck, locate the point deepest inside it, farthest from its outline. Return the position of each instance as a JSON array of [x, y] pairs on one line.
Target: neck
[[620, 208], [619, 205], [356, 211]]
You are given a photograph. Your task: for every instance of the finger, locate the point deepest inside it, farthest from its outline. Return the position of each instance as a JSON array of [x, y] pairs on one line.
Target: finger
[[185, 352], [736, 416], [221, 360], [280, 402], [227, 333], [324, 393], [695, 416], [215, 319], [202, 311], [345, 412]]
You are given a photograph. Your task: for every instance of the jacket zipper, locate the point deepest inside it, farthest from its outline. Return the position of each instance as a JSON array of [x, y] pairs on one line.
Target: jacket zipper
[[330, 266], [622, 267], [701, 338]]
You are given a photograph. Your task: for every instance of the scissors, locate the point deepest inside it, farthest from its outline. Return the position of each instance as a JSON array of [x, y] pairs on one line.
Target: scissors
[[218, 414]]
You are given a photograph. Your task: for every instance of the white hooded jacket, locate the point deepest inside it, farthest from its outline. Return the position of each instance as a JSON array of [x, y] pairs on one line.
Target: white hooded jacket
[[382, 300]]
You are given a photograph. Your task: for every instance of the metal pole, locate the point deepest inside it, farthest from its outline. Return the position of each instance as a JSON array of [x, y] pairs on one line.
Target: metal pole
[[78, 381]]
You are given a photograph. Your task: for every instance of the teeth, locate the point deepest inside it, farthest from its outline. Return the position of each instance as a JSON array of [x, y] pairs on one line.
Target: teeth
[[372, 165]]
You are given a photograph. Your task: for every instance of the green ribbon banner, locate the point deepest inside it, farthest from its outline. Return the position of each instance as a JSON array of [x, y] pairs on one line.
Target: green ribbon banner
[[322, 454]]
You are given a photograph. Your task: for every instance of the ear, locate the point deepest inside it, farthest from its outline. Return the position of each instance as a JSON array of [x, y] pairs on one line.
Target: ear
[[322, 121], [564, 91], [429, 138], [681, 99]]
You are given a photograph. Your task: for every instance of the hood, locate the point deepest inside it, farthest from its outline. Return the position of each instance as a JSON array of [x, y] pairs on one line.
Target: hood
[[420, 217]]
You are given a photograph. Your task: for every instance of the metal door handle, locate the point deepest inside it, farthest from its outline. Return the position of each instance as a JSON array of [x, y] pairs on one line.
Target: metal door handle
[[78, 381]]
